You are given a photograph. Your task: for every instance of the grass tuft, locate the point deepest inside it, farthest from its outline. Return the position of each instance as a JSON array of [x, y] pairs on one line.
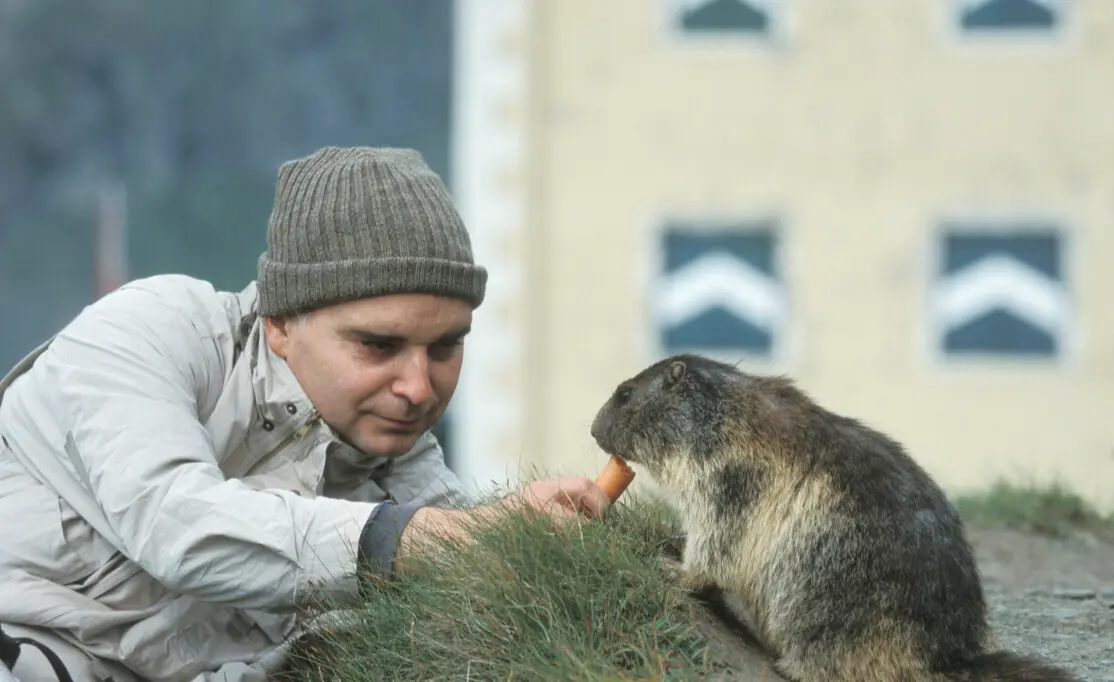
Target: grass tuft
[[523, 602], [1049, 509]]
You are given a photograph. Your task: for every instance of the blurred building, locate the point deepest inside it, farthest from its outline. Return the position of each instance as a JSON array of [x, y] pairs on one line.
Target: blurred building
[[905, 206]]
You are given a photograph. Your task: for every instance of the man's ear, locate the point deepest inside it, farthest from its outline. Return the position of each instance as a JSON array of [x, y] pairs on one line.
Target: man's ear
[[278, 336]]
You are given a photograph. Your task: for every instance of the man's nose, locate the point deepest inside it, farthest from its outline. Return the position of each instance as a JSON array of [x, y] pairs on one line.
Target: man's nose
[[413, 382]]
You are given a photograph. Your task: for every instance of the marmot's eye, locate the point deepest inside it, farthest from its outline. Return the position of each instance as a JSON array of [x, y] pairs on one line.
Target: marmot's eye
[[622, 396]]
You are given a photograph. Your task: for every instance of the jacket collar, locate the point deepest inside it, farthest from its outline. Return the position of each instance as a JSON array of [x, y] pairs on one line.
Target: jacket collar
[[279, 397]]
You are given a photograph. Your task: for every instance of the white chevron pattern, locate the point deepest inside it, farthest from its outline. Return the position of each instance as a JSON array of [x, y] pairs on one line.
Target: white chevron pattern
[[1001, 282], [719, 279]]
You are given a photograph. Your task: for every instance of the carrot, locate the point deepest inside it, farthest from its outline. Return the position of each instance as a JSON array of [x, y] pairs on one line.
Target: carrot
[[615, 477]]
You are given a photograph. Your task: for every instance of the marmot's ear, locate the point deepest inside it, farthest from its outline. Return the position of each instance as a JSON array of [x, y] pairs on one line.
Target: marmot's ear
[[677, 370]]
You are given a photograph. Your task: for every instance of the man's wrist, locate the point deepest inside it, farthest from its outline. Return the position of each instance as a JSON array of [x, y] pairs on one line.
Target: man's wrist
[[430, 525], [382, 535], [395, 530]]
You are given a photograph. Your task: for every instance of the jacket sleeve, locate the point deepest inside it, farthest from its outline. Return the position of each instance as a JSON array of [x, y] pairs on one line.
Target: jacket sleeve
[[127, 381]]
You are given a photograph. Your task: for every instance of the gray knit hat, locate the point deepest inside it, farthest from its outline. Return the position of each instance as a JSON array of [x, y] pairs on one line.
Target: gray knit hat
[[360, 221]]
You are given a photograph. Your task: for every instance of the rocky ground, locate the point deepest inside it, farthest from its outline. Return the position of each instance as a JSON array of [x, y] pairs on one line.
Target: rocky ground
[[1053, 597]]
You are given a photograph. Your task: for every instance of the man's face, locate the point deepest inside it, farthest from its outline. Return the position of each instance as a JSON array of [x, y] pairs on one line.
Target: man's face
[[381, 370]]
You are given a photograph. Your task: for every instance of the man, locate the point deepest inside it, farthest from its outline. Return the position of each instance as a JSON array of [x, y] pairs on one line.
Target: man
[[181, 468]]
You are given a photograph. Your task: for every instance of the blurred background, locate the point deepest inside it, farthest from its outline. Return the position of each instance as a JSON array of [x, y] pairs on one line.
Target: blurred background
[[905, 206]]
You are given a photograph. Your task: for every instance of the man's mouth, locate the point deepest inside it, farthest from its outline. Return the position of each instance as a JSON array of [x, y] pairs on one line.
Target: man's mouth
[[401, 423]]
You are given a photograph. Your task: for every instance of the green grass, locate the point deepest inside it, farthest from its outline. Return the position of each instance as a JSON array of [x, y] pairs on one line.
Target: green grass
[[523, 602], [592, 603], [1048, 509]]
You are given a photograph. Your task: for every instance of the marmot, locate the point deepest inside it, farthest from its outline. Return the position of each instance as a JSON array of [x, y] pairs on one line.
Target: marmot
[[851, 563]]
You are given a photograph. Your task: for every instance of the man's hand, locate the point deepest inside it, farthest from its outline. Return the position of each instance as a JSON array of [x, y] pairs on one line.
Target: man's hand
[[561, 499]]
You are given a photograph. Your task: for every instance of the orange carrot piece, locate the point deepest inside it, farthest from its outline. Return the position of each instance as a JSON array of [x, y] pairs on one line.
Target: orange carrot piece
[[615, 477]]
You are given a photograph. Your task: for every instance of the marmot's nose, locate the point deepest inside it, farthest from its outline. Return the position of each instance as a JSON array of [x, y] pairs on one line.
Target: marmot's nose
[[598, 429]]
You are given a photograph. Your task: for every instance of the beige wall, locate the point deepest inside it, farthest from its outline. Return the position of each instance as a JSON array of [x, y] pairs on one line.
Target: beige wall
[[861, 129]]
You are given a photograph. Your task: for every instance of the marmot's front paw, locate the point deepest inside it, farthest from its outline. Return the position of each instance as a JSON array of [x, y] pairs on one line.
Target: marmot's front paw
[[687, 579], [674, 570], [674, 546]]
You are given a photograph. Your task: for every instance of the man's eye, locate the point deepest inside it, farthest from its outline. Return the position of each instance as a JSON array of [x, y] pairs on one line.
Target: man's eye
[[379, 345], [446, 348]]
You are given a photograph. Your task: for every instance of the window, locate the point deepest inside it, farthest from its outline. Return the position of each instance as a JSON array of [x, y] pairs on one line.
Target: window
[[994, 16], [1000, 292], [721, 16], [719, 288]]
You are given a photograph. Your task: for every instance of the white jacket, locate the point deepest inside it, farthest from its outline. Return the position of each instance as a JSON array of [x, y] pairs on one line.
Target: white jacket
[[168, 494]]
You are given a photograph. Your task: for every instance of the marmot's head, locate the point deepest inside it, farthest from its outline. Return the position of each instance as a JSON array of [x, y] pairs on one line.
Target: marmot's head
[[698, 409]]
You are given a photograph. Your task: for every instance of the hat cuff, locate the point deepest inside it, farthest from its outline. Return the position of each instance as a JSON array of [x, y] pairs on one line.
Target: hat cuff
[[289, 288]]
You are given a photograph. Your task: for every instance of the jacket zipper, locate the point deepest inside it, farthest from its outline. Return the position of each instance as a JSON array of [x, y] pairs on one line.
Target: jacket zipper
[[296, 435], [301, 431]]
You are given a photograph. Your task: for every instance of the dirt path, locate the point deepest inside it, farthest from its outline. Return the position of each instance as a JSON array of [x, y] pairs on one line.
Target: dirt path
[[1050, 597], [1053, 597]]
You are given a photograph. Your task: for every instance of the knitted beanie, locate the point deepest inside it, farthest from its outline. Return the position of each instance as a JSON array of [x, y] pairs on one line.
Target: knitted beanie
[[355, 222]]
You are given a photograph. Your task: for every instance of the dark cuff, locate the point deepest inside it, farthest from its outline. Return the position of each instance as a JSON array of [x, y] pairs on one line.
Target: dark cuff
[[380, 536]]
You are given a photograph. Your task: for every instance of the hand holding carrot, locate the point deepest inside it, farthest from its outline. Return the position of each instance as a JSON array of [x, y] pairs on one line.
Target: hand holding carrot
[[564, 498]]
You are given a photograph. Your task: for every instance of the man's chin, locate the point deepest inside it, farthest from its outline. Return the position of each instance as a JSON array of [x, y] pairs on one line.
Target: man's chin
[[389, 444]]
